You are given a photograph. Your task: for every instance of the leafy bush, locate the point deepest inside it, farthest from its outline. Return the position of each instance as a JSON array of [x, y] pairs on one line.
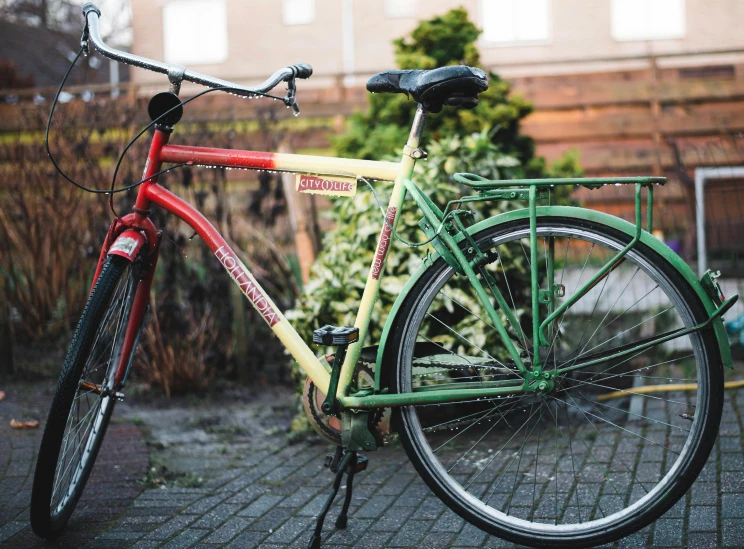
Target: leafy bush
[[484, 140], [51, 233], [445, 40]]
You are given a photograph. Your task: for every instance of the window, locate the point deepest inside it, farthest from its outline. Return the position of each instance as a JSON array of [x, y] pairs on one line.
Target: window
[[195, 32], [298, 12], [401, 8], [509, 21], [647, 19]]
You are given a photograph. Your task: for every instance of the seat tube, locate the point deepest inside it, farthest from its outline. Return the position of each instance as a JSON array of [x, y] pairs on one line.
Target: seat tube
[[372, 288]]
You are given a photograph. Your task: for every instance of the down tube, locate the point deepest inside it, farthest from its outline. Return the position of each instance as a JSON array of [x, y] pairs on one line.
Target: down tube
[[245, 281]]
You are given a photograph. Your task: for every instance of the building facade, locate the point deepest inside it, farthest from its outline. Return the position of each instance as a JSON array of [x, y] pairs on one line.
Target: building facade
[[249, 39]]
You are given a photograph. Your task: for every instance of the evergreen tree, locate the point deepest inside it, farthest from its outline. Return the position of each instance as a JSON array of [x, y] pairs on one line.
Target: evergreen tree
[[484, 140], [444, 40]]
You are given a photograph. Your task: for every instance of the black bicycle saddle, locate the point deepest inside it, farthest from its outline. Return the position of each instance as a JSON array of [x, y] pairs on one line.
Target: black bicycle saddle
[[456, 86]]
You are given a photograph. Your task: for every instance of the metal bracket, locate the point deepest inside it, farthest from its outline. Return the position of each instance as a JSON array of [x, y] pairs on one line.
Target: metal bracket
[[441, 249], [416, 153], [711, 287], [175, 75], [355, 433], [545, 296]]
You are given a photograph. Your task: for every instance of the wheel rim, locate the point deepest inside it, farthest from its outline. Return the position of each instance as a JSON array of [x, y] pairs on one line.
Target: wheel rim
[[92, 402], [579, 473]]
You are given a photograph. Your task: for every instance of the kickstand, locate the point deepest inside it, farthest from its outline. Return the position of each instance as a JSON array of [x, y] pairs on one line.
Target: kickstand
[[346, 462]]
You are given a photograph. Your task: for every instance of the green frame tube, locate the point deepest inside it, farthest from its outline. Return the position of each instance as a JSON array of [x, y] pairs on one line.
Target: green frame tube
[[438, 219]]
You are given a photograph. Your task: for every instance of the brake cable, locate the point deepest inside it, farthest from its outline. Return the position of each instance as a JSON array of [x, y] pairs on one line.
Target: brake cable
[[289, 100]]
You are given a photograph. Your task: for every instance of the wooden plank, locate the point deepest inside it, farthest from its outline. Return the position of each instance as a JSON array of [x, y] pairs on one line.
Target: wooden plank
[[585, 125], [639, 155], [574, 93]]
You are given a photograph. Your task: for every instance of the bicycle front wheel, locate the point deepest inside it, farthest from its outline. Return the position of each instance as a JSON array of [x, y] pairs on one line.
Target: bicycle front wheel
[[84, 400], [611, 446]]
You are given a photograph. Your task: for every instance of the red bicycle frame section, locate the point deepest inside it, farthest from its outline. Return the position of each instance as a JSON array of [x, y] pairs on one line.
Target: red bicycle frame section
[[135, 233]]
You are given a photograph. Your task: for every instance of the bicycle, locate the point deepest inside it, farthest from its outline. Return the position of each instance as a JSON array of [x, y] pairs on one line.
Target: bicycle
[[520, 333]]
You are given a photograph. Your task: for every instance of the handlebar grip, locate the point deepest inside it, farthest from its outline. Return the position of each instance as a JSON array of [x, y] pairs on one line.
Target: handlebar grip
[[302, 70], [89, 7]]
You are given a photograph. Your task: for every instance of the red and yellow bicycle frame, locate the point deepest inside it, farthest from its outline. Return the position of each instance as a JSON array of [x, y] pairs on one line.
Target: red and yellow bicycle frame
[[135, 232], [130, 234]]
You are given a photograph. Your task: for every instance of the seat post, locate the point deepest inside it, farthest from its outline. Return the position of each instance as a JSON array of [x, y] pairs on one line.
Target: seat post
[[417, 128]]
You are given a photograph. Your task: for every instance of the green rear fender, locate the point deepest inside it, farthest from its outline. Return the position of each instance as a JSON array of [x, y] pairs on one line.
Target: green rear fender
[[563, 211]]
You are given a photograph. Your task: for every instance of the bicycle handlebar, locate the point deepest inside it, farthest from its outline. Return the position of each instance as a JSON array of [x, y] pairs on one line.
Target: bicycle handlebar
[[176, 73]]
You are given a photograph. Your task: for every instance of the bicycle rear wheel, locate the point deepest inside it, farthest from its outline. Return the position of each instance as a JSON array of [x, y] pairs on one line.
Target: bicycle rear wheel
[[608, 450], [84, 400]]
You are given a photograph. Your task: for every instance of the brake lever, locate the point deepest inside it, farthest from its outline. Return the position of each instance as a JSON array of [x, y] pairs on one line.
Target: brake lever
[[291, 100], [84, 40]]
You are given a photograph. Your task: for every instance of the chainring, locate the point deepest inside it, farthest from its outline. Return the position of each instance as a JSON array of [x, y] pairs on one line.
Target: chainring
[[329, 426]]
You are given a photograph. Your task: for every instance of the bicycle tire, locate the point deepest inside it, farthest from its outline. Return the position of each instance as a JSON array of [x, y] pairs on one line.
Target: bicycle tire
[[460, 492], [114, 288]]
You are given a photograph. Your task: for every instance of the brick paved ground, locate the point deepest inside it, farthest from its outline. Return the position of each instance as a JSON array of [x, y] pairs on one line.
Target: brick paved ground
[[233, 480]]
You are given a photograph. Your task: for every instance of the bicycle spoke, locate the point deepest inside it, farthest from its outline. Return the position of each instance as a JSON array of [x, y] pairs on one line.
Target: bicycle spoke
[[504, 446], [654, 397], [466, 339], [511, 297], [514, 459]]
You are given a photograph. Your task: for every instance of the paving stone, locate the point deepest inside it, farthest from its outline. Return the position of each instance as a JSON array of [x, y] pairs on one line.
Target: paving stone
[[145, 544], [732, 482], [373, 540], [392, 521], [732, 462], [639, 540], [733, 533], [261, 506], [9, 529], [696, 540], [290, 530], [375, 507], [129, 533], [355, 528], [174, 525], [668, 533], [185, 539], [732, 505], [409, 534], [470, 536], [300, 498], [448, 522], [262, 492], [248, 540], [229, 530], [271, 521], [217, 516], [703, 519], [205, 504], [704, 493], [437, 540]]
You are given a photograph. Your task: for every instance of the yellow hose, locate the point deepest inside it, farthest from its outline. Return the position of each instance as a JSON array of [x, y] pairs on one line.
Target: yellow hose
[[663, 389]]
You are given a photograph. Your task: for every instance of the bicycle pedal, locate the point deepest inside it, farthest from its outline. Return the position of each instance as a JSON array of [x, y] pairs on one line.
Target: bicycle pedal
[[328, 460], [335, 335]]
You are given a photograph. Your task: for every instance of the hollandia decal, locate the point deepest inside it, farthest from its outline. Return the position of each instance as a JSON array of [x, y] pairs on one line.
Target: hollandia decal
[[247, 284], [383, 244], [338, 186]]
